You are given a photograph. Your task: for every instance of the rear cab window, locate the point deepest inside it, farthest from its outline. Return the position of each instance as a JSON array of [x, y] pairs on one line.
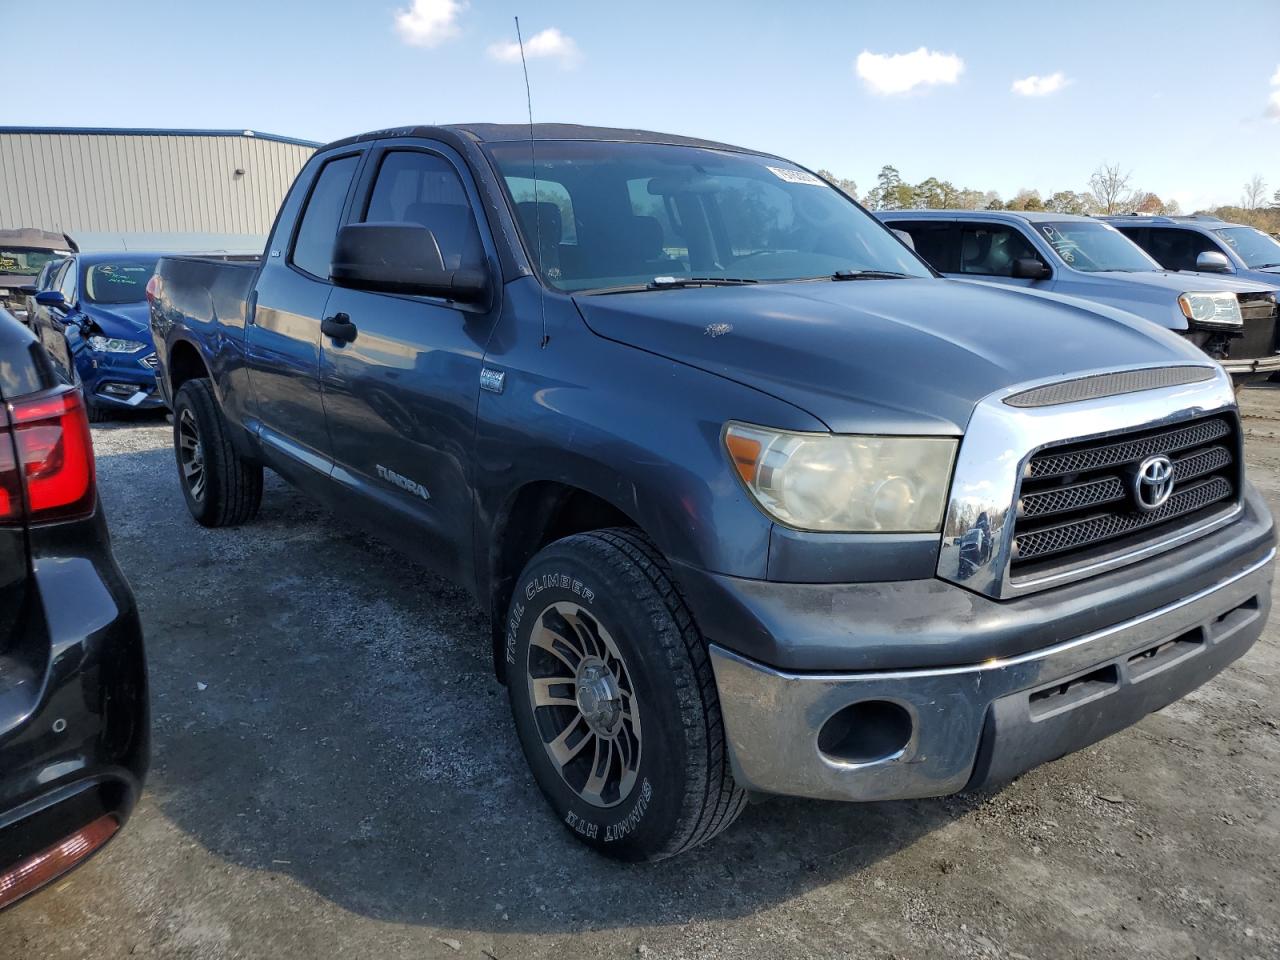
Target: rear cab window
[[935, 240], [318, 227]]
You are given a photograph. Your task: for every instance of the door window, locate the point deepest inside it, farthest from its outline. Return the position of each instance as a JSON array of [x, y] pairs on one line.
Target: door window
[[66, 283], [313, 245], [417, 187], [989, 250], [932, 240], [1178, 249]]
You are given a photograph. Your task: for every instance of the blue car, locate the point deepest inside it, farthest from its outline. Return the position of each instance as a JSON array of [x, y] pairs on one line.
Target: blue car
[[92, 319]]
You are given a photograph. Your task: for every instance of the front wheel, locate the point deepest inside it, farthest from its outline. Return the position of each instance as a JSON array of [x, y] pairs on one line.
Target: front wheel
[[614, 699], [221, 488]]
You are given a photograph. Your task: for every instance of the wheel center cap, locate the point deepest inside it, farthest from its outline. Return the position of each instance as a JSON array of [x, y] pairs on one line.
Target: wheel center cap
[[599, 698]]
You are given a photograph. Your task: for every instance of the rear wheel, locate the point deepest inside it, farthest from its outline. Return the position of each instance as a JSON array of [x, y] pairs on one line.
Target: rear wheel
[[614, 699], [221, 488]]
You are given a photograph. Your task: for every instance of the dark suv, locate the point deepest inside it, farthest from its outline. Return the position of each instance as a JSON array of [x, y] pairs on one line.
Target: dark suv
[[1205, 244], [74, 728]]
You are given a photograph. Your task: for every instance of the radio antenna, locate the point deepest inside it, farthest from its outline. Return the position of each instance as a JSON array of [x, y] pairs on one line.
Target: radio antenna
[[537, 210]]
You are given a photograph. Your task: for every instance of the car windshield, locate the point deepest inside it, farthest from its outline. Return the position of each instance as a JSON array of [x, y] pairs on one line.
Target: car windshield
[[118, 281], [25, 261], [1095, 247], [614, 216], [1254, 247]]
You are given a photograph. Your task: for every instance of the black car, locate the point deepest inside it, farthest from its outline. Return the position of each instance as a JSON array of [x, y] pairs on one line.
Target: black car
[[74, 720]]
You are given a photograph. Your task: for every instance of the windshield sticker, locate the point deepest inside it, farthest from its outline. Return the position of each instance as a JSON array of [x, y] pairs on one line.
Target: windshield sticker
[[1062, 245], [796, 176]]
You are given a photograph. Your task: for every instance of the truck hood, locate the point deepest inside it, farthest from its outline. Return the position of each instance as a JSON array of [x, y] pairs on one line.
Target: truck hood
[[128, 321], [881, 356]]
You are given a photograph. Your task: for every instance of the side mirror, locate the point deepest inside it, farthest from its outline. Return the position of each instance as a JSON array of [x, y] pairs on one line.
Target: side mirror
[[400, 258], [52, 298], [904, 237], [1211, 261], [1029, 268]]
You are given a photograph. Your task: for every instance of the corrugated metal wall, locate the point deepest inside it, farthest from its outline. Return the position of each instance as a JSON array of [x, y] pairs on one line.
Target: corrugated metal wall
[[144, 182]]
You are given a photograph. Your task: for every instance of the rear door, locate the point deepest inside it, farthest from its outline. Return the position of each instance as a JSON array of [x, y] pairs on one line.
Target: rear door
[[282, 337], [401, 397]]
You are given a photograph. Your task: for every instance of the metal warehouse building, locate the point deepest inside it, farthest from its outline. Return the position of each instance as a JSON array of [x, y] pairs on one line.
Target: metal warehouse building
[[145, 182]]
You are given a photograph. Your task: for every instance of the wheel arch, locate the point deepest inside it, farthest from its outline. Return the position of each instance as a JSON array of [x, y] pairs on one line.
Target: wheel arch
[[536, 514]]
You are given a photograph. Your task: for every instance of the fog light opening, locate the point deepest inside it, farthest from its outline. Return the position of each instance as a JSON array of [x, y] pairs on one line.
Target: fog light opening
[[866, 732]]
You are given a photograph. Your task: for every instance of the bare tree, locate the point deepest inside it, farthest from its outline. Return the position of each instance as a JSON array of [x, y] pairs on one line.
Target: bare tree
[[1255, 193], [1110, 188]]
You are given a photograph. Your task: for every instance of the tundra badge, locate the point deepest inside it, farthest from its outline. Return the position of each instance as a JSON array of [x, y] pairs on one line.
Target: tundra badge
[[403, 482]]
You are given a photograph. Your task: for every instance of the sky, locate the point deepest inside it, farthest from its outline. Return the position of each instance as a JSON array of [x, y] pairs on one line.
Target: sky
[[1186, 95]]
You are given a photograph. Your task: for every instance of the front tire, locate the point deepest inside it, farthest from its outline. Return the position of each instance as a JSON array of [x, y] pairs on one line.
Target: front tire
[[221, 488], [614, 699]]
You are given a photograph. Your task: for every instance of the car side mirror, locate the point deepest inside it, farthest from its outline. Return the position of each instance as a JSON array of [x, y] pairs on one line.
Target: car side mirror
[[904, 237], [401, 258], [1211, 261], [1029, 268], [52, 298]]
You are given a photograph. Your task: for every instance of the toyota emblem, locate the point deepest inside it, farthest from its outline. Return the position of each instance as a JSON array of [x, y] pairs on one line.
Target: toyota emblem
[[1153, 482]]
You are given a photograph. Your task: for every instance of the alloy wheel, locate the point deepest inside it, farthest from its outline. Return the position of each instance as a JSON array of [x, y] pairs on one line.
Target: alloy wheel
[[584, 704], [191, 454]]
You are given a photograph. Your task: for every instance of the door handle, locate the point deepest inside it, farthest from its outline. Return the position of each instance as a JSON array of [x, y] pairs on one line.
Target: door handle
[[339, 327]]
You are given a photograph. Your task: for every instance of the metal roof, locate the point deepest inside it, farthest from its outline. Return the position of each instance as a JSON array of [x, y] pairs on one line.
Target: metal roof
[[158, 132], [508, 132], [1031, 216]]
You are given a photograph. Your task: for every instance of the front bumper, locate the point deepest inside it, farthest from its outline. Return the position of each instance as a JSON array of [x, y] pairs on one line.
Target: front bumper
[[985, 722], [1258, 365]]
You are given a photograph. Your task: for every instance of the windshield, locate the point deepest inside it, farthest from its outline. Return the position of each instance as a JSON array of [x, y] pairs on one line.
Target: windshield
[[1254, 247], [118, 281], [1094, 247], [613, 215], [24, 261]]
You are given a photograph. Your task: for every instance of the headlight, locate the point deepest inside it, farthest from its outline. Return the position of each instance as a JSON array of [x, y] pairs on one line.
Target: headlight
[[852, 484], [1211, 309], [112, 345]]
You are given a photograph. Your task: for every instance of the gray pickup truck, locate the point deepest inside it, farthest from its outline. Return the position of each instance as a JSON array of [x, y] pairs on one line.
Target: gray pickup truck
[[754, 499]]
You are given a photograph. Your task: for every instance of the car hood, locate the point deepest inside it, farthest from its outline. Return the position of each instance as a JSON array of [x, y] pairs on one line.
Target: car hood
[[1179, 283], [889, 356], [128, 321]]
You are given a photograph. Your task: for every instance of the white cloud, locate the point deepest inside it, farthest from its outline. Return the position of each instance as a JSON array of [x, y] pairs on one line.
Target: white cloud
[[548, 44], [903, 72], [1275, 81], [427, 23], [1034, 86]]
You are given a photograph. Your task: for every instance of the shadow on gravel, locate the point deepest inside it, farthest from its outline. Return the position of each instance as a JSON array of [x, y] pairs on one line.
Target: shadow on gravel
[[325, 709]]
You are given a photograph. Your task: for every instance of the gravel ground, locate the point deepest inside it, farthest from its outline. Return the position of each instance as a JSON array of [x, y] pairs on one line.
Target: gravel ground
[[334, 775]]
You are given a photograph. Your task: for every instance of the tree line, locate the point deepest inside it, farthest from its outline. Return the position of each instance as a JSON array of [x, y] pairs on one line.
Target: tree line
[[1110, 191]]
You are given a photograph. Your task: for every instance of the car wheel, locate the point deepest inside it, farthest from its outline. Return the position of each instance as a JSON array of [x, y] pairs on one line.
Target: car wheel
[[614, 699], [95, 413], [221, 488]]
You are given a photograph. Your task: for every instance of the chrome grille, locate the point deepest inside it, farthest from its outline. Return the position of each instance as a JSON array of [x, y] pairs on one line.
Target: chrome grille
[[1078, 500]]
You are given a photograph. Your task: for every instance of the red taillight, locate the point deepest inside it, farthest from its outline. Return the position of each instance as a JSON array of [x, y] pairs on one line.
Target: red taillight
[[34, 872], [54, 459], [155, 286]]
